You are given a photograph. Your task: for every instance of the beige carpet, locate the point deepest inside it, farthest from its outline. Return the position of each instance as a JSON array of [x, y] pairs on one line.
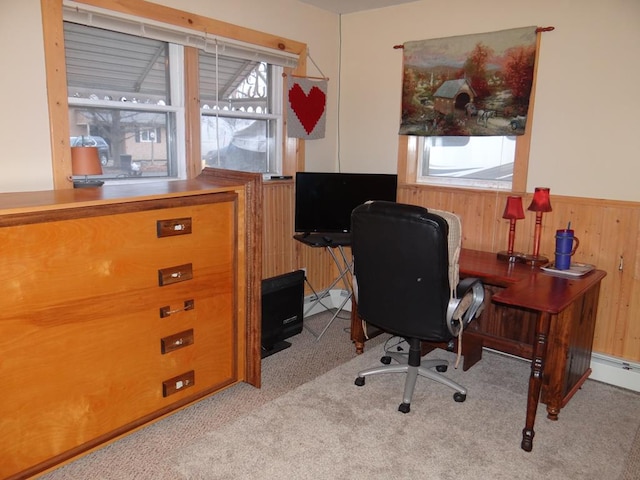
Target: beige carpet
[[331, 429], [300, 425], [631, 468]]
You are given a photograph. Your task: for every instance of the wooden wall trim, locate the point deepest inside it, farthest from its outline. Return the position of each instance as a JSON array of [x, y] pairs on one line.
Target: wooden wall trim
[[192, 21], [56, 73], [251, 213], [192, 112]]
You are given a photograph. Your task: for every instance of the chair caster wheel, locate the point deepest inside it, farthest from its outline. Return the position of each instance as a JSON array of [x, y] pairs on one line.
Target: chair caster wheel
[[359, 381], [386, 360], [459, 397], [404, 407], [442, 368]]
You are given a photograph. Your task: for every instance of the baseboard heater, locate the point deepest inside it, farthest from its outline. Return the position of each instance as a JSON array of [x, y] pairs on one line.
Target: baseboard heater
[[615, 371], [330, 299]]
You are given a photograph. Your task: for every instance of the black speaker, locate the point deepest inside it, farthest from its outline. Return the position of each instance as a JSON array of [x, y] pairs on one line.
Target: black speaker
[[282, 310]]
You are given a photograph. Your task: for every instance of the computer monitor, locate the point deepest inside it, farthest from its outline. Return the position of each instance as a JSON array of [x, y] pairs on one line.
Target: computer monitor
[[324, 201]]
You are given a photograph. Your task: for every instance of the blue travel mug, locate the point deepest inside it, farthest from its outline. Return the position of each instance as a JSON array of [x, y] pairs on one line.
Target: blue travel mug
[[566, 245]]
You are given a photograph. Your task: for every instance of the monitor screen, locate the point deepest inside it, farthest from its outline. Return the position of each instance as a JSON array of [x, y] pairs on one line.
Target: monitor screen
[[324, 201]]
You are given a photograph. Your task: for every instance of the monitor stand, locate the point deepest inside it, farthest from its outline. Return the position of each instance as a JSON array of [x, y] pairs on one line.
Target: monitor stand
[[326, 239], [330, 241]]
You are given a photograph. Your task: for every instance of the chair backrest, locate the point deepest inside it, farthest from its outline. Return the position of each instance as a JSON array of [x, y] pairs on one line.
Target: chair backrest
[[454, 241], [401, 261]]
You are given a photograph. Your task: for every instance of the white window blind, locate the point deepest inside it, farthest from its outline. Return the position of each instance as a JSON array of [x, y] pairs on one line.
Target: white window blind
[[144, 27]]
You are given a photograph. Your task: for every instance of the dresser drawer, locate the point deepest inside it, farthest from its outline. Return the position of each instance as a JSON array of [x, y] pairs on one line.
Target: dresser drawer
[[92, 257]]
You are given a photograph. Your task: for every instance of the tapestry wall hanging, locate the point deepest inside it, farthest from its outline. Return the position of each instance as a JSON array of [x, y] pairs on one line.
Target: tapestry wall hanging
[[468, 85], [306, 107]]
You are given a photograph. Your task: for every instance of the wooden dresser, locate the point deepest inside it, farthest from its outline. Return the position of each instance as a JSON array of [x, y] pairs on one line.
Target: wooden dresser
[[118, 306]]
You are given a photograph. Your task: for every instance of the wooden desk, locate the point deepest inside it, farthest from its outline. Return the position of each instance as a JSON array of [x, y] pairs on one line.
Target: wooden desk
[[547, 319]]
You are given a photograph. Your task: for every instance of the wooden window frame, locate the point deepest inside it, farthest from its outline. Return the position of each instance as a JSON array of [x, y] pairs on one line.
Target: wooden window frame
[[53, 36]]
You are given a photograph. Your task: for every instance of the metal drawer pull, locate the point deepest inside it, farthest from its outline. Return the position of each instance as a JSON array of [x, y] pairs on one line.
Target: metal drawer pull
[[179, 273], [176, 341], [176, 384], [166, 311], [174, 226]]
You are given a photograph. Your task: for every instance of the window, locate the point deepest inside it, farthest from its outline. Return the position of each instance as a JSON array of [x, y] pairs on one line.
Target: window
[[123, 93], [477, 162], [241, 113], [126, 81], [150, 135]]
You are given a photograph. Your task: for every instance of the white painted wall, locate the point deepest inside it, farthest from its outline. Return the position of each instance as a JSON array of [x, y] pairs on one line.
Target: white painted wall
[[585, 124], [25, 151], [585, 120]]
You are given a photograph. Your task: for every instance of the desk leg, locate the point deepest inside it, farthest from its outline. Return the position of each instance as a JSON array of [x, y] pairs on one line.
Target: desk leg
[[535, 380], [357, 333], [471, 350]]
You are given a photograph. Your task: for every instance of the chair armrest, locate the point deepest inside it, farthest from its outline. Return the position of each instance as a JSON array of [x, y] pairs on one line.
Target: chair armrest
[[474, 287], [465, 285], [467, 305]]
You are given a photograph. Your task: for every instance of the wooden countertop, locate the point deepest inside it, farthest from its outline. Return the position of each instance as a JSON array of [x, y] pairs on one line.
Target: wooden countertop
[[20, 202], [528, 287]]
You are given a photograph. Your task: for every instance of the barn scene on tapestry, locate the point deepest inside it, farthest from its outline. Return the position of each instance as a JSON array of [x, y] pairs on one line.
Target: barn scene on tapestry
[[470, 85]]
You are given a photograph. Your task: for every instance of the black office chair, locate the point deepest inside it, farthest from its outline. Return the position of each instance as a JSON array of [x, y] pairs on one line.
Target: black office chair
[[403, 275]]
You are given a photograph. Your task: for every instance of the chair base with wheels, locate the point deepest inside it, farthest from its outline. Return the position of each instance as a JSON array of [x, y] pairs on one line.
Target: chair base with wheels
[[414, 367]]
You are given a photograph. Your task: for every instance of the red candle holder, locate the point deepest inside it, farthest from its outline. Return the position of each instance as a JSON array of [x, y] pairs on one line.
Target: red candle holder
[[539, 204], [512, 211]]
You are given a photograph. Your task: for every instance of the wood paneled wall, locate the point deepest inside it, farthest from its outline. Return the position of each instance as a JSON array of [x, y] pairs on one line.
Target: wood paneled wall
[[609, 233], [282, 253], [278, 243]]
